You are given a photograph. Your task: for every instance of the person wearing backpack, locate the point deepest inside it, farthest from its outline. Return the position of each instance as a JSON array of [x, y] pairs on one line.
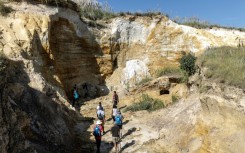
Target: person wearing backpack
[[97, 132], [75, 95], [115, 131], [101, 117], [115, 98], [118, 118]]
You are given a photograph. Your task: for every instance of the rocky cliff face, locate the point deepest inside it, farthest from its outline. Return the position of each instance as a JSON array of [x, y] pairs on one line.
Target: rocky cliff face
[[151, 43], [49, 50], [64, 48], [29, 120]]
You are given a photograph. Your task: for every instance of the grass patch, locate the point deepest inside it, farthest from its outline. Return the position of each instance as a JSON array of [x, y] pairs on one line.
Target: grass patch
[[143, 14], [175, 98], [150, 13], [4, 10], [168, 71], [96, 11], [146, 103], [143, 81], [225, 65]]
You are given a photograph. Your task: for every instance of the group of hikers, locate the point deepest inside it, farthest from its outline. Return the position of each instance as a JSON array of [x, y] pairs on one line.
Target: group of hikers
[[116, 129], [98, 129]]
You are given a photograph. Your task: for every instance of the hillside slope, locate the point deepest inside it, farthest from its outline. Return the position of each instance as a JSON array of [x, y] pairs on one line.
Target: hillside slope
[[48, 49]]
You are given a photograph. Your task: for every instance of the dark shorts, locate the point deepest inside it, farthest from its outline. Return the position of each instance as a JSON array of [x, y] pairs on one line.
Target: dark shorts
[[113, 117], [115, 103]]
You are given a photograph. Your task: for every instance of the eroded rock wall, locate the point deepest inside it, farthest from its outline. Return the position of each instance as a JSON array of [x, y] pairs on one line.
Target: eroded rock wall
[[157, 42], [223, 119], [32, 121], [66, 49], [55, 43]]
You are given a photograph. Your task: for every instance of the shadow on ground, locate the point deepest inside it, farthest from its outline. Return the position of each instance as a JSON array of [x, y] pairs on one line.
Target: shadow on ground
[[129, 132], [127, 145]]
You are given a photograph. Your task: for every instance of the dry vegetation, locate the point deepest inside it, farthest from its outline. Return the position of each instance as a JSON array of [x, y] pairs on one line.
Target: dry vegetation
[[200, 24], [168, 71], [225, 65], [146, 103]]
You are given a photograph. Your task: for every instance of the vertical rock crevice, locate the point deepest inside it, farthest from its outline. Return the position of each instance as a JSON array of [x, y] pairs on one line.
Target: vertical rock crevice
[[73, 57]]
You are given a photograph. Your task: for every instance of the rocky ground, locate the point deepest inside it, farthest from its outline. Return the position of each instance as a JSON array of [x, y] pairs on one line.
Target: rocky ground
[[200, 123], [140, 129]]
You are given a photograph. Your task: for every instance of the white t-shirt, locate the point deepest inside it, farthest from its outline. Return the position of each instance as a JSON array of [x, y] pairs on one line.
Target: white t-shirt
[[100, 112], [114, 111], [98, 107]]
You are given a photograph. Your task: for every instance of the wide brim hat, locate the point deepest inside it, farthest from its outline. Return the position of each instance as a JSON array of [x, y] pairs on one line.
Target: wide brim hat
[[98, 122]]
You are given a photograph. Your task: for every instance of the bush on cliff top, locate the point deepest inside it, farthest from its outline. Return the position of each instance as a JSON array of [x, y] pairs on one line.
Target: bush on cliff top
[[201, 24], [96, 11]]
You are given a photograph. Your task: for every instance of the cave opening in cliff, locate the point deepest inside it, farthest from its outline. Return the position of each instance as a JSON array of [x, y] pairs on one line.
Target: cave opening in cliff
[[164, 92]]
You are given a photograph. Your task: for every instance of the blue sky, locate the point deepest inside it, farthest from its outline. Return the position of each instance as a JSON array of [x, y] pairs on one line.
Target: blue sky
[[222, 12]]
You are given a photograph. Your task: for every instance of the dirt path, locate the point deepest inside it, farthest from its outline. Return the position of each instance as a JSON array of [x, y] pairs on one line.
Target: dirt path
[[85, 127], [142, 131]]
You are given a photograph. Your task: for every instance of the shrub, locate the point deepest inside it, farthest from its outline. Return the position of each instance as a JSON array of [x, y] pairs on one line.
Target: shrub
[[146, 103], [185, 77], [225, 65], [4, 10], [187, 63]]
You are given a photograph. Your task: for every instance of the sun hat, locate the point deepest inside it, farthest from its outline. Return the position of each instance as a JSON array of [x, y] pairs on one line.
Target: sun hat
[[98, 122]]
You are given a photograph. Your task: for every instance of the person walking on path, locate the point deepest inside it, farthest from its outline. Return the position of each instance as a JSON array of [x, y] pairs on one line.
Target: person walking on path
[[101, 117], [115, 98], [115, 131], [114, 112], [98, 134], [119, 120], [100, 107]]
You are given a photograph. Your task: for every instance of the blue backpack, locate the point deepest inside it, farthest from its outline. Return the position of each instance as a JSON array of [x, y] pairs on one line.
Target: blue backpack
[[118, 120], [76, 95], [96, 132]]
